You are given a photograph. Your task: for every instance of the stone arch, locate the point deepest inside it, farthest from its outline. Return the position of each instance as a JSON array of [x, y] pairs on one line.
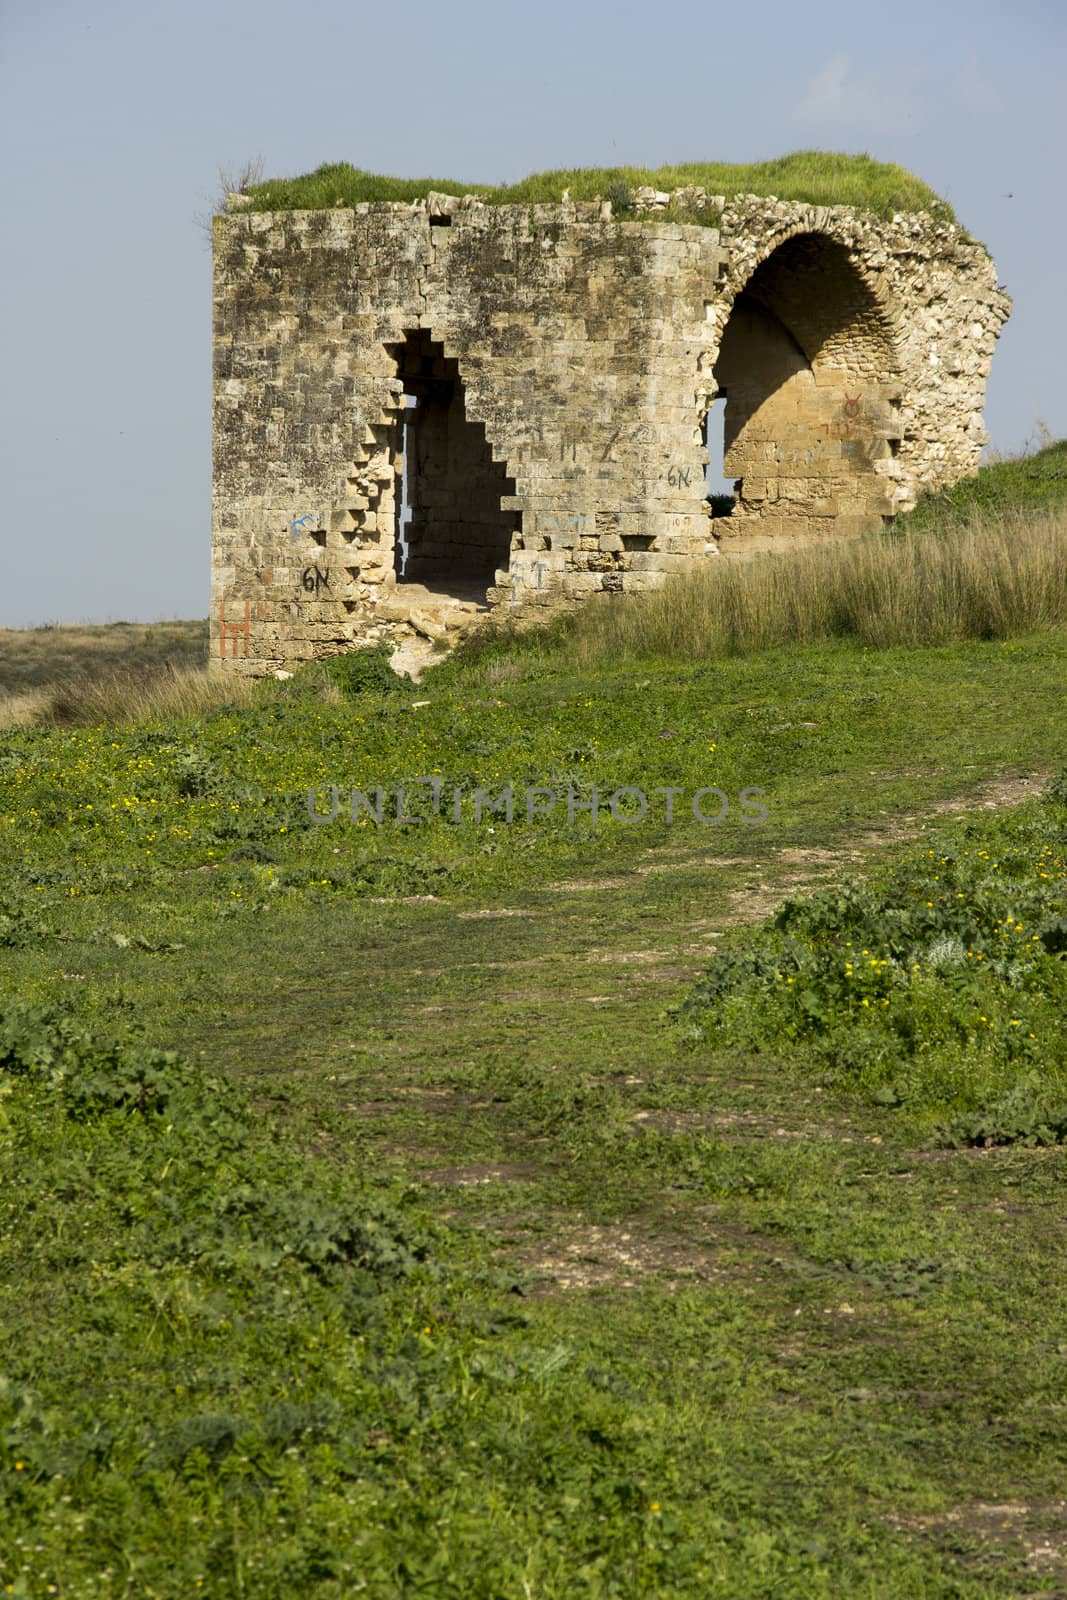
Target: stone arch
[[808, 366]]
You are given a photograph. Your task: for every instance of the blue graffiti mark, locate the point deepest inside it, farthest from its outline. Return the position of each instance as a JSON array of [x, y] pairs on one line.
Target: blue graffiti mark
[[519, 577], [580, 521], [300, 525]]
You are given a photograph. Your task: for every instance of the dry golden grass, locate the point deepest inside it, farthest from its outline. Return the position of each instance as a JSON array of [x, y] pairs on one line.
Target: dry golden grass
[[36, 658], [990, 577], [130, 697], [26, 709]]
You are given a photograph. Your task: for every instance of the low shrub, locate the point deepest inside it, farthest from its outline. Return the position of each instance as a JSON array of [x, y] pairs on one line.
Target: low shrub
[[940, 982], [366, 671], [1030, 1113]]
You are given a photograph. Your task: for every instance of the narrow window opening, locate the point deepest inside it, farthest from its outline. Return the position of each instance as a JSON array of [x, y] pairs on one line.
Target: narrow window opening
[[721, 491], [403, 517]]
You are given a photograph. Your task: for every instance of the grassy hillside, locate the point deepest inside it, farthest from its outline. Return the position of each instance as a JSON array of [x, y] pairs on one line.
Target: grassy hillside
[[816, 176], [1029, 484], [984, 560], [578, 1204]]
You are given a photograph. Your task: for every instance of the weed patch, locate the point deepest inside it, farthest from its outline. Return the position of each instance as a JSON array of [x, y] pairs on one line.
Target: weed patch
[[228, 1367], [936, 983]]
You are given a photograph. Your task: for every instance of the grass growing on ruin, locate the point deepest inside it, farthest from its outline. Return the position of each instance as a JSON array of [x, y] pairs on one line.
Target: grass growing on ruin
[[815, 176]]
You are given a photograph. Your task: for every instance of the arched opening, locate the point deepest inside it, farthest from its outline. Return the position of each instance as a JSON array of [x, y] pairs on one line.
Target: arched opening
[[807, 373], [451, 532]]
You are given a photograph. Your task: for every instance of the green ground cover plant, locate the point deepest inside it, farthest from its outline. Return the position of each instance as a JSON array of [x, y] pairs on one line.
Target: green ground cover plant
[[238, 1372], [1033, 482], [940, 984], [819, 177], [208, 1388]]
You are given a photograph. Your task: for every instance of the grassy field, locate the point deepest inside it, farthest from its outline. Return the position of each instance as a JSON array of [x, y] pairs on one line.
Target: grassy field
[[36, 658], [543, 1208], [50, 673], [984, 560], [818, 177]]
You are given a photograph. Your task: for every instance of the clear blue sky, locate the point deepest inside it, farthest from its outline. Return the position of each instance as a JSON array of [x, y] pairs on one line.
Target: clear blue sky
[[119, 113]]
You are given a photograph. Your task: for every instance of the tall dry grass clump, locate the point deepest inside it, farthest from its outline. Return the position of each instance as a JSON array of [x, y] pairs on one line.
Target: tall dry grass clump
[[988, 577], [129, 697]]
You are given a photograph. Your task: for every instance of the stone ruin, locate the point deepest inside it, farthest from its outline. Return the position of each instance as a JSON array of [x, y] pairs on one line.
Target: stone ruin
[[430, 413]]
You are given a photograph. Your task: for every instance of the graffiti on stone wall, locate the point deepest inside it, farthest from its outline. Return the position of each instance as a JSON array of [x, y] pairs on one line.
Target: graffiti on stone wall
[[848, 423], [237, 632], [312, 580], [577, 521], [518, 574], [609, 447], [302, 527]]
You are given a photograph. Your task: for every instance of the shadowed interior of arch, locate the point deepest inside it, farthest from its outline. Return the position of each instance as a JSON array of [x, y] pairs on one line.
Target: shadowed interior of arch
[[451, 531], [807, 367]]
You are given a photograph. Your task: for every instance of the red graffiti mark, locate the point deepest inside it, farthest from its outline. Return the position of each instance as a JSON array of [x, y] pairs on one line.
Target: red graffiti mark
[[852, 405], [234, 631]]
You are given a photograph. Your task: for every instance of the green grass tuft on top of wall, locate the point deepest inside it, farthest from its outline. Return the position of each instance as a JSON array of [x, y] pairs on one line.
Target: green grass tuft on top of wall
[[819, 177]]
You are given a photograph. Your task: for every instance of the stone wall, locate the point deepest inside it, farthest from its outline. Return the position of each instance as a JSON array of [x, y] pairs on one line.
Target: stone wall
[[548, 369]]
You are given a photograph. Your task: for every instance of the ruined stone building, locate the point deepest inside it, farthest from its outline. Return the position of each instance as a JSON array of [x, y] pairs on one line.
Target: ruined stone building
[[425, 410]]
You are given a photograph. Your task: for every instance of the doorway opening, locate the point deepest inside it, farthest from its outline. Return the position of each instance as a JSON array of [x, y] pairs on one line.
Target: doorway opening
[[451, 531]]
